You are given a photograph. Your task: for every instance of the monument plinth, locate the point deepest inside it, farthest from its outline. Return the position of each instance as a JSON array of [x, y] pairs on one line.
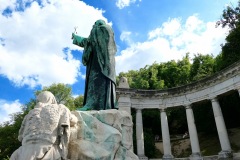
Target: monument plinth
[[102, 135]]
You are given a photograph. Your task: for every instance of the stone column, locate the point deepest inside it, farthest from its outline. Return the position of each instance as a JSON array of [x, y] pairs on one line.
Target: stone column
[[196, 153], [239, 91], [139, 135], [222, 131], [165, 136]]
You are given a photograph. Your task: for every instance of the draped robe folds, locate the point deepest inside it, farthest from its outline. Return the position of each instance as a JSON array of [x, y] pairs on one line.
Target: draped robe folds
[[99, 59]]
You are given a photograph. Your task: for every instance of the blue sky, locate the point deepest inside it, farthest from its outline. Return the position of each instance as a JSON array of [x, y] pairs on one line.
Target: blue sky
[[36, 49]]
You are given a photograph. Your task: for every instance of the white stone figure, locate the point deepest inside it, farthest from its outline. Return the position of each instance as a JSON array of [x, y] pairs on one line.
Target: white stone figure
[[45, 131]]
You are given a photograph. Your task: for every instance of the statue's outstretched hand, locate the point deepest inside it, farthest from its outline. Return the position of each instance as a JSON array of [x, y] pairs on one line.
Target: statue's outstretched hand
[[73, 35]]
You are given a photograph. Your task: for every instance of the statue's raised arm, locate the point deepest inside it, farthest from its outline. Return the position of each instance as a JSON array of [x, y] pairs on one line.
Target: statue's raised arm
[[78, 40]]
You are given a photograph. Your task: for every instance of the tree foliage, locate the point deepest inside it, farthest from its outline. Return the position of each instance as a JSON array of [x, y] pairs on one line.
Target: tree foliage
[[231, 49], [9, 134], [62, 93], [202, 66], [230, 17], [159, 76], [78, 101]]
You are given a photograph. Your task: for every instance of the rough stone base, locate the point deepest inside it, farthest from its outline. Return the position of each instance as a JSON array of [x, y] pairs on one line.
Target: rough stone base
[[102, 135], [168, 157], [196, 156], [143, 158], [224, 155]]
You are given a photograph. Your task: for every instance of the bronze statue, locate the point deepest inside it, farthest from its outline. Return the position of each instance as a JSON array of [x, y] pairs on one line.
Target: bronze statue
[[99, 59]]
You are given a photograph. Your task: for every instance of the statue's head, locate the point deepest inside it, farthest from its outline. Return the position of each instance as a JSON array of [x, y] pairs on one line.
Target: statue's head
[[46, 97], [100, 22]]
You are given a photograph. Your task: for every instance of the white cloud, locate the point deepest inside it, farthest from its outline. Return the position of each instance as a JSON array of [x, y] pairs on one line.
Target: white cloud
[[125, 3], [33, 41], [7, 108], [169, 28], [5, 4], [171, 41], [193, 23], [125, 36]]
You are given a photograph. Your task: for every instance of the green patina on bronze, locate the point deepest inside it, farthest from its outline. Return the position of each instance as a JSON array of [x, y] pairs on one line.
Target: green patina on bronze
[[99, 59]]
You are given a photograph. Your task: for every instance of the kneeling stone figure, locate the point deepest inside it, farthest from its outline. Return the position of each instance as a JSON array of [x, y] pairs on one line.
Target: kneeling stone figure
[[45, 131]]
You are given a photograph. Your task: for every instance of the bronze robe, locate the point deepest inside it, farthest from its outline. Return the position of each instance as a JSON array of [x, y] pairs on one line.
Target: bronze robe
[[99, 59]]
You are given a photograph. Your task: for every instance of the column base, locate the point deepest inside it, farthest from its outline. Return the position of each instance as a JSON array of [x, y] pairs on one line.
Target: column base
[[167, 157], [225, 155], [196, 156], [143, 157]]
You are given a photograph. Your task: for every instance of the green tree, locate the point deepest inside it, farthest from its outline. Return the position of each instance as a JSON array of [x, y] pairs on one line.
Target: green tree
[[230, 17], [175, 73], [153, 79], [218, 62], [203, 65], [62, 93], [168, 72], [78, 101], [184, 70], [9, 132], [231, 49], [145, 78], [159, 76]]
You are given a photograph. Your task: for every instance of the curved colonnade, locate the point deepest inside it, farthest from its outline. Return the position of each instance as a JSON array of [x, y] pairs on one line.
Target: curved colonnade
[[209, 88]]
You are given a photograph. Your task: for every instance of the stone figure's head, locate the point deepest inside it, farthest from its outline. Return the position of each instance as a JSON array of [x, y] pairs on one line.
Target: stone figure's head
[[46, 97]]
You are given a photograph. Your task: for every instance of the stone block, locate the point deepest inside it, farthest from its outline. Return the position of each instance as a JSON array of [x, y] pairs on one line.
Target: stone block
[[102, 135]]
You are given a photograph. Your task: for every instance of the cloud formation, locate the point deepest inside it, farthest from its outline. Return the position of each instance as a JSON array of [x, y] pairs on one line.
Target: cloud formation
[[35, 40], [7, 108], [171, 41], [125, 3]]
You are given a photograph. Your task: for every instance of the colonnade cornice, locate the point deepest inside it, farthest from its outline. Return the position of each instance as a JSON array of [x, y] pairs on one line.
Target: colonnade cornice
[[219, 77]]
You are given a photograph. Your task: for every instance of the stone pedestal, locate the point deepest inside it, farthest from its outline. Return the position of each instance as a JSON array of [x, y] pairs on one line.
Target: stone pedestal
[[124, 102], [102, 135], [143, 158]]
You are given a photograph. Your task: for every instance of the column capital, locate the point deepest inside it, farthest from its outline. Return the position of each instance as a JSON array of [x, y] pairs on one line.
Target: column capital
[[139, 109], [214, 99], [188, 106], [162, 109]]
